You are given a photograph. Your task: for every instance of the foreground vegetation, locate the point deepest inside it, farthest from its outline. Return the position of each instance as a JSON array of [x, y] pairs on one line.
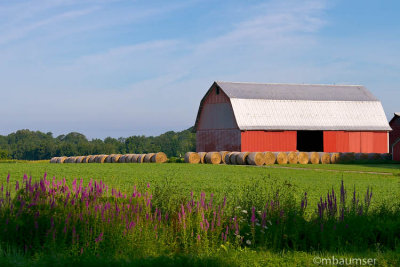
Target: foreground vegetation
[[180, 214]]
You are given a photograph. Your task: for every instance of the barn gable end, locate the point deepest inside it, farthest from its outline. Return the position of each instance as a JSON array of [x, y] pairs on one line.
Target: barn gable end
[[216, 127]]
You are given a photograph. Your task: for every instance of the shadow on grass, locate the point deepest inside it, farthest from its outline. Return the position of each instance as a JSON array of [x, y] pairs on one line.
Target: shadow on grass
[[15, 259]]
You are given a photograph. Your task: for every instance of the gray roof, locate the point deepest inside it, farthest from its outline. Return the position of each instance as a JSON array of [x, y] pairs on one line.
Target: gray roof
[[315, 92]]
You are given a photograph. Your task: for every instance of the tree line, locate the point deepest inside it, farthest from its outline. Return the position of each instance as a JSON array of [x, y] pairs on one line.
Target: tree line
[[36, 145]]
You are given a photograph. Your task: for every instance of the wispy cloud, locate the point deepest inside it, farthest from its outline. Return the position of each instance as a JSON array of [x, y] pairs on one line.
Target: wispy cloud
[[19, 32], [131, 67]]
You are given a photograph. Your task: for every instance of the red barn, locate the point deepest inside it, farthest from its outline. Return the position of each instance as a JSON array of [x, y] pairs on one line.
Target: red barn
[[288, 117], [394, 136]]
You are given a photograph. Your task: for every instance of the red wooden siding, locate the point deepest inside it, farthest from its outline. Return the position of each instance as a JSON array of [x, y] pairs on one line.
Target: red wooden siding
[[217, 129], [218, 140], [214, 98], [358, 142], [396, 152], [253, 141], [395, 134]]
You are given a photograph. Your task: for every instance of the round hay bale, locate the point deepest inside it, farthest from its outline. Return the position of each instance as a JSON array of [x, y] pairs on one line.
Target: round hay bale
[[115, 158], [269, 158], [281, 157], [88, 158], [92, 159], [69, 160], [213, 158], [325, 158], [335, 158], [54, 160], [73, 159], [361, 156], [159, 157], [61, 159], [314, 157], [255, 158], [141, 158], [102, 158], [346, 157], [148, 157], [303, 158], [85, 158], [122, 158], [374, 156], [241, 158], [134, 158], [128, 158], [293, 157], [223, 155], [227, 158], [202, 156], [192, 157], [109, 158], [97, 158], [233, 157]]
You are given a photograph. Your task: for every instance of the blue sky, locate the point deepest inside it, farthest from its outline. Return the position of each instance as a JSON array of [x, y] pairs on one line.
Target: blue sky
[[122, 68]]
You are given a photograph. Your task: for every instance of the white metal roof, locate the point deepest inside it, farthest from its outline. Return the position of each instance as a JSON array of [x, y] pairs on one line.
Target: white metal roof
[[266, 114], [397, 114]]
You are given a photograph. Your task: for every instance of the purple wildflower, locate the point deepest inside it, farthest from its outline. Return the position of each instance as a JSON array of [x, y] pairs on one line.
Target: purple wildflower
[[99, 238]]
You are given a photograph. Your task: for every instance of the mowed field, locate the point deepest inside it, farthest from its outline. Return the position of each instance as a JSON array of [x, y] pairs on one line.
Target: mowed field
[[243, 186], [223, 180]]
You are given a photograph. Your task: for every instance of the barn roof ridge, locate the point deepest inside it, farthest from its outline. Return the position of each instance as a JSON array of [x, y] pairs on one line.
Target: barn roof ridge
[[311, 84], [288, 91]]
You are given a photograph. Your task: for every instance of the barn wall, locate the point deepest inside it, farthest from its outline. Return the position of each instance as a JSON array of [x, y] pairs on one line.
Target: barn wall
[[253, 141], [395, 134], [396, 152], [217, 129], [218, 140], [358, 142]]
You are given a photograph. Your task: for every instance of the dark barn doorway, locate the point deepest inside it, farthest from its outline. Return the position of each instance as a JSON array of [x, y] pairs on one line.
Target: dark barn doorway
[[310, 141]]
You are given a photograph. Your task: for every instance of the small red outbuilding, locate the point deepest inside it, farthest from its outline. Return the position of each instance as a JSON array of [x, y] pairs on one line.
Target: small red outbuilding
[[394, 136], [288, 117]]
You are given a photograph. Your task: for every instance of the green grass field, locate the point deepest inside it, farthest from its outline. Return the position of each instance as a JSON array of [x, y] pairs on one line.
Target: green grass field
[[222, 180], [237, 183]]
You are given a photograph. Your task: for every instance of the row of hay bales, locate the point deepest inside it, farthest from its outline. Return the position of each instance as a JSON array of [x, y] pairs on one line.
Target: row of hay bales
[[159, 157], [269, 158]]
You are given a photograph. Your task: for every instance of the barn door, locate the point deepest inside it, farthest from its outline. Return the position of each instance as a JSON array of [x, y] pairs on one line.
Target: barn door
[[310, 141]]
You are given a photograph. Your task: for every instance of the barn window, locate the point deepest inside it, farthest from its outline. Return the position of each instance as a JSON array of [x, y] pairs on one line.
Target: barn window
[[310, 141], [217, 90]]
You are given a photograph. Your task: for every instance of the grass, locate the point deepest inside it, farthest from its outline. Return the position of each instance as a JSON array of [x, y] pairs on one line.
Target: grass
[[393, 168], [171, 185], [222, 180], [246, 257]]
